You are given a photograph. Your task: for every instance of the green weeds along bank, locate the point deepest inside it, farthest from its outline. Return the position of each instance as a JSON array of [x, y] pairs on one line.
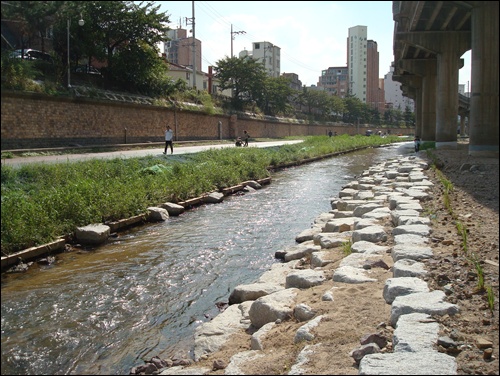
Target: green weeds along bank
[[42, 202]]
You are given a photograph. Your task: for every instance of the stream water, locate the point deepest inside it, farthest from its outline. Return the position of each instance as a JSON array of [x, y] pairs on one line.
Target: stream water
[[144, 293]]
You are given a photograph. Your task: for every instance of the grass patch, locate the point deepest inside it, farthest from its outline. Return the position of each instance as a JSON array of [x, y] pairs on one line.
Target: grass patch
[[347, 248], [41, 202], [490, 296]]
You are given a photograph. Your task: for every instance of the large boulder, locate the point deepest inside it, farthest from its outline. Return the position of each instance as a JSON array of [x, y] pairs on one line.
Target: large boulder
[[272, 307], [94, 234]]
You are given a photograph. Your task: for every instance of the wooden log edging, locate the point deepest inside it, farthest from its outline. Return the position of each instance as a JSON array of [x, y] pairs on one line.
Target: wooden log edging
[[33, 252]]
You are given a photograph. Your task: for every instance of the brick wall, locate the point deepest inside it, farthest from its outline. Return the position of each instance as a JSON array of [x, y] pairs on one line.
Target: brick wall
[[41, 121]]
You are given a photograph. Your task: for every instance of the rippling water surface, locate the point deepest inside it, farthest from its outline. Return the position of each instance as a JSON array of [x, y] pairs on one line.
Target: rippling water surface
[[144, 293]]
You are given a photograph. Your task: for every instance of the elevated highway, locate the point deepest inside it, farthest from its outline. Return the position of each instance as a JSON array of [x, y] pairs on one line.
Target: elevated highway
[[429, 39]]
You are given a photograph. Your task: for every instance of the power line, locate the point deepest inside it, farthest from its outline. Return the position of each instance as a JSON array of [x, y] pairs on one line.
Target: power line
[[210, 11], [206, 8]]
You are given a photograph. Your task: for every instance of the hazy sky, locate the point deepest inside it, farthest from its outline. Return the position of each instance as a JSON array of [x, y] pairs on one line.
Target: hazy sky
[[312, 35]]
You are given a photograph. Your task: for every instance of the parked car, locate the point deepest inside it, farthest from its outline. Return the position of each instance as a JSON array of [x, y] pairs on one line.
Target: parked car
[[30, 54], [87, 69]]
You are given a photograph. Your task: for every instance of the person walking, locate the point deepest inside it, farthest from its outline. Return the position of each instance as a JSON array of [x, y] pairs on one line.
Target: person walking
[[417, 143], [169, 137], [246, 136]]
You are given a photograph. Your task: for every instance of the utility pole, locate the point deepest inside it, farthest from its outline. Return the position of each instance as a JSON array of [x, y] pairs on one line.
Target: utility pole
[[233, 33], [193, 44], [194, 53], [268, 47]]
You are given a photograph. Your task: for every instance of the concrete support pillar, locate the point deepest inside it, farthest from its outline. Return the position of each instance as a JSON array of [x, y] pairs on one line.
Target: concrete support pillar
[[415, 93], [483, 120], [413, 89], [448, 47], [418, 114], [447, 99], [427, 71], [462, 124], [429, 107]]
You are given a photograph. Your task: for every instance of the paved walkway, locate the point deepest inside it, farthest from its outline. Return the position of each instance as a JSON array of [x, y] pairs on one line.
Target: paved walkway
[[18, 161]]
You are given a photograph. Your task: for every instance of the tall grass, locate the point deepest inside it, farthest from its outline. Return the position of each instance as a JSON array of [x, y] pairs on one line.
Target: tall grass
[[462, 232], [448, 189], [42, 202]]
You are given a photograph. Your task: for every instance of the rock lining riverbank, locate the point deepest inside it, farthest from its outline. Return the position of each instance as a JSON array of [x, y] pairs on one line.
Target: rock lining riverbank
[[376, 236]]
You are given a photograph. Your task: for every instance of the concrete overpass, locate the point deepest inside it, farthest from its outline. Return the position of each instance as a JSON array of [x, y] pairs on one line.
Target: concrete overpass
[[429, 39]]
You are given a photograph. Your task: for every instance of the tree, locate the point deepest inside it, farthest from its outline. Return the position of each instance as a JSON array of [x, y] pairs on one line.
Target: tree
[[152, 77], [336, 107], [375, 116], [389, 116], [409, 117], [316, 101], [110, 26], [275, 99], [246, 78], [33, 18], [355, 110]]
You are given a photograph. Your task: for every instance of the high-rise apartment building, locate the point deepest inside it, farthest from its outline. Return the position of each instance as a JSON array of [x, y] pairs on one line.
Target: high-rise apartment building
[[357, 61], [375, 97], [363, 68]]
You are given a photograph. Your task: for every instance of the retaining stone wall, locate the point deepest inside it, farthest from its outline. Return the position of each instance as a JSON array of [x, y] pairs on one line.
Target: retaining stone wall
[[41, 121]]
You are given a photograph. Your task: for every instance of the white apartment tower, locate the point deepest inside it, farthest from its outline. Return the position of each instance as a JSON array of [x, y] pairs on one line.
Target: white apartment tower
[[270, 55], [357, 61]]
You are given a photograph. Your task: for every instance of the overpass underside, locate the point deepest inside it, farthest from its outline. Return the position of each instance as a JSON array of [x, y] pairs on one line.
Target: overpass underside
[[429, 39]]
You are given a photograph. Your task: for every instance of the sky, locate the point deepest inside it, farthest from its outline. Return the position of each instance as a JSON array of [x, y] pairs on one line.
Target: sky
[[312, 35]]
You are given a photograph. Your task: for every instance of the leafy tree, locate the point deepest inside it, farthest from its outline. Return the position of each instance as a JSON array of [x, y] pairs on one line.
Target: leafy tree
[[152, 77], [409, 117], [246, 78], [355, 110], [109, 27], [316, 102], [34, 19], [336, 106], [374, 116], [124, 22], [275, 99]]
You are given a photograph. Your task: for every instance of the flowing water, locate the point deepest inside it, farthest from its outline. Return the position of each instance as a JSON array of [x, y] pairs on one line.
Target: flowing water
[[144, 293]]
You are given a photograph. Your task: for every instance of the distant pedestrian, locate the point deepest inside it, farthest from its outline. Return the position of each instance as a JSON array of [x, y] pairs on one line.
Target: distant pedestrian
[[330, 134], [417, 143], [169, 138], [246, 136]]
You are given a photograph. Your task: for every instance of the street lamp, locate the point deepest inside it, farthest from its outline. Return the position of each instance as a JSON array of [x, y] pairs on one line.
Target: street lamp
[[81, 22], [233, 33]]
